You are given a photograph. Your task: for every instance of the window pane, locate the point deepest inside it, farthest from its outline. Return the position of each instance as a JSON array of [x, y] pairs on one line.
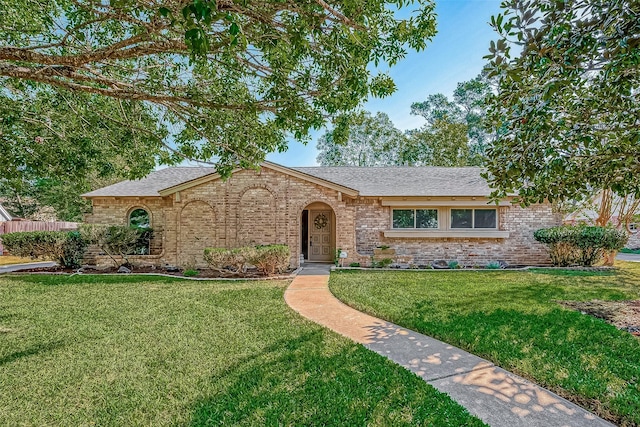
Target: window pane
[[403, 218], [139, 218], [426, 218], [485, 218], [461, 218]]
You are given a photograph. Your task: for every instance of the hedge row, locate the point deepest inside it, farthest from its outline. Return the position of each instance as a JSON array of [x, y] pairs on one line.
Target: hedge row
[[580, 244], [269, 259], [67, 248]]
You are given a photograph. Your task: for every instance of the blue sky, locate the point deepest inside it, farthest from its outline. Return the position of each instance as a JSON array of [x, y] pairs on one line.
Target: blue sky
[[454, 55]]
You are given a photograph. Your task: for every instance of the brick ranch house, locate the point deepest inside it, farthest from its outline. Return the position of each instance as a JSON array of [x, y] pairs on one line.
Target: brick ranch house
[[423, 213]]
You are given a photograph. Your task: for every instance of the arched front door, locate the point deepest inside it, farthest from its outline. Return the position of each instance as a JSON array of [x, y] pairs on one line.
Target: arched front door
[[318, 233]]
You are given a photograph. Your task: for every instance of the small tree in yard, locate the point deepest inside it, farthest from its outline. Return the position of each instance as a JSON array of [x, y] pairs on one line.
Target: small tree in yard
[[582, 245], [611, 209], [113, 240]]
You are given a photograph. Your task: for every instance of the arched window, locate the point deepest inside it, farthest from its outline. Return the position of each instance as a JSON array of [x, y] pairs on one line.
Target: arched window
[[139, 218]]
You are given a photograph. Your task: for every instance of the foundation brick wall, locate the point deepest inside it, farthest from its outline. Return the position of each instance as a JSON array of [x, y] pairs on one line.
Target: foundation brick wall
[[265, 207]]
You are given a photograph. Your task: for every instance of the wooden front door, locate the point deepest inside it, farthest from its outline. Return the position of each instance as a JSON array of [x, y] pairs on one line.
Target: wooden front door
[[320, 235]]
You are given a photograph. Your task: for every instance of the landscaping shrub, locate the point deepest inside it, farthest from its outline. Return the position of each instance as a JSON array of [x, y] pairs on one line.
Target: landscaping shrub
[[190, 272], [269, 259], [67, 248], [581, 244], [117, 240], [74, 249], [383, 263], [216, 258], [493, 265], [229, 260]]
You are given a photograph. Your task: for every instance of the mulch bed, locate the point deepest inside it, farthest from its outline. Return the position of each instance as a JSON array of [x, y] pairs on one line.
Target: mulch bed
[[202, 273], [623, 315]]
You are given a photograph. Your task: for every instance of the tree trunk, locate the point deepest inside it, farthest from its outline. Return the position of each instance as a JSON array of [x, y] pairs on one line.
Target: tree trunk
[[609, 258]]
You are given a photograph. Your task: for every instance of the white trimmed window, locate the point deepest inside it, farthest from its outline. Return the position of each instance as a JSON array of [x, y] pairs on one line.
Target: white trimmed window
[[474, 219], [633, 227], [415, 219]]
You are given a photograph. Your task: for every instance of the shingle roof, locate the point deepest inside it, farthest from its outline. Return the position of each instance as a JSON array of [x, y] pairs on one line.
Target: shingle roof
[[368, 181], [405, 181], [152, 183]]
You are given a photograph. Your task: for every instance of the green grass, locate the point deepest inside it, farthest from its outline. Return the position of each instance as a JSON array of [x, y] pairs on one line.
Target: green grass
[[136, 350], [512, 319], [629, 251]]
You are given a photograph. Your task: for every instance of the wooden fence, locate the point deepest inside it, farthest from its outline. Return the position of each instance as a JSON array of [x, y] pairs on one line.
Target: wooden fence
[[15, 226]]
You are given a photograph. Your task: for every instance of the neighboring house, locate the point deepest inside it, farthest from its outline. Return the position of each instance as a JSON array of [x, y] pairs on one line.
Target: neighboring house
[[424, 213]]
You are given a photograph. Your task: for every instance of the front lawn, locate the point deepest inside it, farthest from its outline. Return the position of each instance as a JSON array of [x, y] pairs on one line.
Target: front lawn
[[512, 319], [136, 350]]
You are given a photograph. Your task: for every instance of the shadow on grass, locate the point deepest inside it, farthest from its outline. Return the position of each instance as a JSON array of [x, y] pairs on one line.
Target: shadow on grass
[[303, 381], [579, 357], [31, 351], [67, 279], [573, 273]]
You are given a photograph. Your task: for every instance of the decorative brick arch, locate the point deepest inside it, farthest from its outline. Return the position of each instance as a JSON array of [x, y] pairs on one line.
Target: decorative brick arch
[[307, 233], [196, 231], [329, 202], [256, 216]]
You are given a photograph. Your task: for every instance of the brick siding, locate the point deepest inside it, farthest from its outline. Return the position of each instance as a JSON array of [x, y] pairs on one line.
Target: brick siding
[[520, 248]]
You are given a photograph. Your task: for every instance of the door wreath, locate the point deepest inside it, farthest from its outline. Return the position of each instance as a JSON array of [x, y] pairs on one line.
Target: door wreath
[[320, 221]]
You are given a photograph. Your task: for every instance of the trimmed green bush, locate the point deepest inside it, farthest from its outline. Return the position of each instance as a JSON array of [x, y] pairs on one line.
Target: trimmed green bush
[[73, 250], [226, 260], [580, 244], [269, 259], [67, 248]]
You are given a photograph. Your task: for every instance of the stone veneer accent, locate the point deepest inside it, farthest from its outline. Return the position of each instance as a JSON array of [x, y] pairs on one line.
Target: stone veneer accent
[[265, 207]]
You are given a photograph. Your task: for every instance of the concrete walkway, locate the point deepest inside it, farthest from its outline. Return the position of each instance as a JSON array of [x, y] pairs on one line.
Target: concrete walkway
[[17, 267], [628, 257], [496, 396]]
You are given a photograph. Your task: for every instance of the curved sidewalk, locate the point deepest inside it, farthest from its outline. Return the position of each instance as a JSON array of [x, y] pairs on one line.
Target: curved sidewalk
[[494, 395]]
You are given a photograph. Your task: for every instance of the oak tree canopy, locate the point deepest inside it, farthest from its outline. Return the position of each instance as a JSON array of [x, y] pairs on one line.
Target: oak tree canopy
[[227, 80]]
